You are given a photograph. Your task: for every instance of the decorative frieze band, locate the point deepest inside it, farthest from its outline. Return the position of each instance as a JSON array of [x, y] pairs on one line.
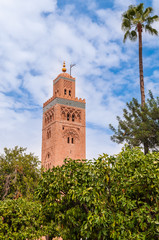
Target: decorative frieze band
[[68, 79], [63, 101]]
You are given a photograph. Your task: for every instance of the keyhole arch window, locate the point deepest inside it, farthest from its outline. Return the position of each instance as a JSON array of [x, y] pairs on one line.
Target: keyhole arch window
[[73, 117], [48, 134], [68, 116], [65, 91], [70, 140]]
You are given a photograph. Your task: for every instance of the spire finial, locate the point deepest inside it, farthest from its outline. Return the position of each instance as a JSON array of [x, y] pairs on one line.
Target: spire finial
[[64, 68]]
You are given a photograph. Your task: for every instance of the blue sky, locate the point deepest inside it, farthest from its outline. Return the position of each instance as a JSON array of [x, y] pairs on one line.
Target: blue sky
[[37, 36]]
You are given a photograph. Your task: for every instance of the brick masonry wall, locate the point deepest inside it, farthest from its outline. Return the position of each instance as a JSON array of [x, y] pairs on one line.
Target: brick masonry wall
[[63, 136]]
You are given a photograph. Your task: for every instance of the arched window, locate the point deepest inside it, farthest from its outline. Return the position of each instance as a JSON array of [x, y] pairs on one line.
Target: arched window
[[48, 133], [72, 140], [68, 116], [69, 92], [73, 117], [65, 91], [68, 140]]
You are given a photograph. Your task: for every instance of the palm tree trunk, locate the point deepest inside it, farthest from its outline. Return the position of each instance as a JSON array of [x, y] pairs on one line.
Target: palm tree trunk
[[142, 89], [139, 27]]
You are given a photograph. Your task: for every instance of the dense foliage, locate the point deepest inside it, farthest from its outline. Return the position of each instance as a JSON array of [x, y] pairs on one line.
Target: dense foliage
[[109, 198], [20, 215], [19, 173], [20, 220], [112, 197], [140, 125]]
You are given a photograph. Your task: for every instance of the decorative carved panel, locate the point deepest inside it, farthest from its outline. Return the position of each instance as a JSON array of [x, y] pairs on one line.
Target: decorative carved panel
[[67, 84], [75, 115], [49, 116], [70, 132]]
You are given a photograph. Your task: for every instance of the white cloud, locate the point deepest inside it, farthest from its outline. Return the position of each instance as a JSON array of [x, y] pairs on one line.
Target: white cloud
[[98, 142], [155, 6], [32, 49], [112, 23], [122, 4], [20, 129], [152, 83]]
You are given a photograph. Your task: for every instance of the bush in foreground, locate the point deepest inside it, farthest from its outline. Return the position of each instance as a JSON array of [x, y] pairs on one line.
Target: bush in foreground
[[113, 197]]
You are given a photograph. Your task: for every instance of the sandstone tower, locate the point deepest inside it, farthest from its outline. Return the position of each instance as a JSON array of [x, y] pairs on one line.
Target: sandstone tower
[[63, 129]]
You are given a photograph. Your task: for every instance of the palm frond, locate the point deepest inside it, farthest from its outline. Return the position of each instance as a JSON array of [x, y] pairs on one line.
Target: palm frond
[[153, 19], [149, 20], [126, 24], [147, 11], [140, 8], [133, 35], [151, 30], [131, 12], [126, 35]]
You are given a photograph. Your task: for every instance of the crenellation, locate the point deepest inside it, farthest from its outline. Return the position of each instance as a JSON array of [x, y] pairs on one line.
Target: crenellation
[[76, 99]]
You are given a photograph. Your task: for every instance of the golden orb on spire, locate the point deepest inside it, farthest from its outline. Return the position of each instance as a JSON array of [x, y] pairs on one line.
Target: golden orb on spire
[[64, 67]]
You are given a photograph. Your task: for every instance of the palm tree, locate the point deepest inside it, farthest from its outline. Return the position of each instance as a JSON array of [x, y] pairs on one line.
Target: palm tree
[[134, 20]]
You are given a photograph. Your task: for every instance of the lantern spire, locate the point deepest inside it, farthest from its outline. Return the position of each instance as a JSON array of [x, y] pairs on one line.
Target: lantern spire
[[64, 67]]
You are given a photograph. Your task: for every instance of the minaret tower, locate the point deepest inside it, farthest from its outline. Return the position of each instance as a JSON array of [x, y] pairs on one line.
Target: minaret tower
[[63, 130]]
